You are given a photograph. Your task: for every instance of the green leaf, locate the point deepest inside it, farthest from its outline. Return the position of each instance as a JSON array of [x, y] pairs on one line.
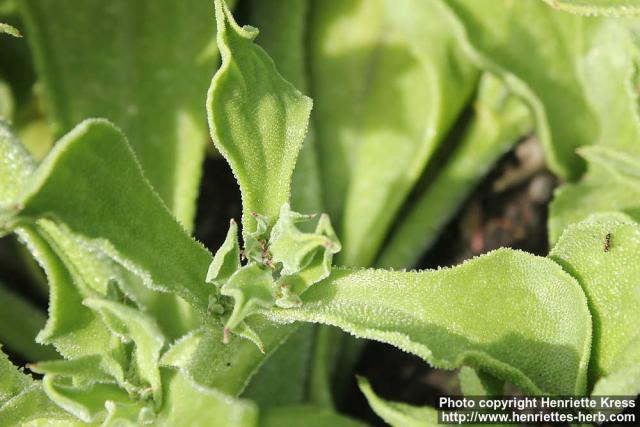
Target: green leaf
[[20, 323], [183, 403], [603, 254], [8, 29], [74, 269], [535, 307], [144, 65], [227, 368], [499, 120], [132, 325], [86, 403], [257, 119], [190, 405], [16, 165], [226, 261], [625, 377], [305, 416], [72, 328], [251, 288], [128, 415], [248, 287], [329, 346], [86, 370], [282, 25], [282, 379], [377, 133], [93, 272], [620, 165], [549, 79], [306, 258], [479, 383], [70, 323], [33, 406], [609, 61], [597, 7], [609, 67], [12, 380], [283, 34], [398, 414], [604, 188], [261, 148], [118, 213]]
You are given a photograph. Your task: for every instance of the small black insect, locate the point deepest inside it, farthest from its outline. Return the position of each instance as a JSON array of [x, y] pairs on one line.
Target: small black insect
[[607, 242]]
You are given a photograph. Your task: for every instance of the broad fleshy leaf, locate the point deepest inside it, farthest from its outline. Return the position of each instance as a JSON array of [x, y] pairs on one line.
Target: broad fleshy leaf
[[227, 259], [191, 405], [86, 403], [603, 254], [603, 189], [387, 89], [252, 288], [598, 7], [144, 65], [499, 119], [625, 377], [398, 414], [86, 370], [75, 270], [548, 79], [257, 119], [609, 64], [283, 32], [133, 326], [535, 307], [279, 127], [118, 213], [32, 405], [619, 164], [283, 377], [93, 271], [73, 329], [16, 165], [12, 380], [229, 367]]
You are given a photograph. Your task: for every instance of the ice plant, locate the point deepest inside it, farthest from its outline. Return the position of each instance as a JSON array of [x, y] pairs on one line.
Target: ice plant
[[147, 326]]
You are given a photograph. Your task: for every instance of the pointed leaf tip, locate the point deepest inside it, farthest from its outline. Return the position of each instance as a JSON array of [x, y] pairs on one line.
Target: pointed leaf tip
[[8, 29], [258, 120]]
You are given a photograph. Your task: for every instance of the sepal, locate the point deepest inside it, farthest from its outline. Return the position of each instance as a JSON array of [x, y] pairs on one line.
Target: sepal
[[226, 261], [281, 263], [305, 257], [251, 288]]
